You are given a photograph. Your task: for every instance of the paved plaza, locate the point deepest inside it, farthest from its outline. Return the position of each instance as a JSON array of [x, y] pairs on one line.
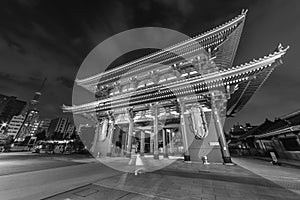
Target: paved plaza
[[197, 181]]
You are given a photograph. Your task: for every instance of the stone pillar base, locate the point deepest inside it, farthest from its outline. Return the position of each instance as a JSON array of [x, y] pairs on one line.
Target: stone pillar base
[[108, 154], [227, 160], [166, 156], [187, 158], [142, 154], [128, 155], [156, 156]]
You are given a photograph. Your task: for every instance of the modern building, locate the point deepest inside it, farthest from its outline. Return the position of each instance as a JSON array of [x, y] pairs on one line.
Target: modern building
[[9, 107], [58, 128], [44, 125], [15, 125], [174, 101], [69, 131], [31, 123]]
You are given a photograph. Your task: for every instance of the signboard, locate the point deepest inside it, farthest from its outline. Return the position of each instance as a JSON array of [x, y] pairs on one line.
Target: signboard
[[214, 144]]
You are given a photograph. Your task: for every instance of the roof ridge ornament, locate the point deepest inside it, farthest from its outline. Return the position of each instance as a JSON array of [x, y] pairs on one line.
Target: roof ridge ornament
[[280, 48], [244, 11]]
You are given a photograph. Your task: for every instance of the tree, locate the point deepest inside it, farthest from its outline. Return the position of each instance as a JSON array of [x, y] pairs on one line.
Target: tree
[[41, 135]]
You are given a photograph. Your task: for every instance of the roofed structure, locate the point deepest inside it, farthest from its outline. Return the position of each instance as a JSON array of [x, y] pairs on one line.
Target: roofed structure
[[190, 86]]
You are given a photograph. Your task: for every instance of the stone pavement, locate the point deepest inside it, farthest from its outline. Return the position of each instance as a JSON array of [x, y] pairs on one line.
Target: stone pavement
[[286, 177], [184, 181], [284, 162]]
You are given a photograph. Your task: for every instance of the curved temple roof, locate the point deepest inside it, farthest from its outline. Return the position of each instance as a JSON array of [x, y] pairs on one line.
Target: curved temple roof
[[219, 44], [249, 77], [210, 39]]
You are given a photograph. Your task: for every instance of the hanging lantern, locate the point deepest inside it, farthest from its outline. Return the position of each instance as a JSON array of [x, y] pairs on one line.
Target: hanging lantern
[[199, 124]]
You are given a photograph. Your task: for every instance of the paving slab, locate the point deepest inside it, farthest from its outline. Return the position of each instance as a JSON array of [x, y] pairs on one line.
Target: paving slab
[[185, 181], [92, 191]]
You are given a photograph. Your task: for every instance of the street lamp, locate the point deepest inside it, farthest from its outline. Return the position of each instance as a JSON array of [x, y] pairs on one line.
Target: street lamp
[[4, 124]]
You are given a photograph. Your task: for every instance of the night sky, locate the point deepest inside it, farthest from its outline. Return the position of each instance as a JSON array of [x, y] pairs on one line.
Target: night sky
[[51, 38]]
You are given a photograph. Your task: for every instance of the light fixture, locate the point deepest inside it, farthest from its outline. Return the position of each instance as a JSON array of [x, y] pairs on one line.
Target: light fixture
[[4, 124]]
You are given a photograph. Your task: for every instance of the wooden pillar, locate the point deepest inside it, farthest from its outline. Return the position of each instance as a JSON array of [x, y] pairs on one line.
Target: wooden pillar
[[155, 134], [151, 142], [261, 146], [216, 106], [93, 147], [142, 147], [110, 137], [171, 142], [125, 145], [130, 131], [165, 144], [183, 123], [297, 138], [123, 141]]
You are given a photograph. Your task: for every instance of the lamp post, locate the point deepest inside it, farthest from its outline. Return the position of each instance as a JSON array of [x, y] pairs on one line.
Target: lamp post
[[3, 125]]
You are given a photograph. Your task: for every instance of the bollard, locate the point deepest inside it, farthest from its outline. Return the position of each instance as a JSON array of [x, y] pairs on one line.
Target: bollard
[[204, 159]]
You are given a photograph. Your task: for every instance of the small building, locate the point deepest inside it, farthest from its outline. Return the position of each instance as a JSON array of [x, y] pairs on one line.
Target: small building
[[281, 136], [238, 130]]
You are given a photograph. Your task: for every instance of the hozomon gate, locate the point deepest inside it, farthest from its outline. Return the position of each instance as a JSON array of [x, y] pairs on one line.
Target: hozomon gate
[[167, 104]]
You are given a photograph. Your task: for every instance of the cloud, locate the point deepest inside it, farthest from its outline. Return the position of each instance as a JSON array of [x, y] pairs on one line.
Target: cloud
[[65, 81]]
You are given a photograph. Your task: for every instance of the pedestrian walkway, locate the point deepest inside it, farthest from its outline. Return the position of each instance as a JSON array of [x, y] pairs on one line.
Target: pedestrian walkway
[[286, 162], [286, 177], [185, 181], [92, 191], [137, 163]]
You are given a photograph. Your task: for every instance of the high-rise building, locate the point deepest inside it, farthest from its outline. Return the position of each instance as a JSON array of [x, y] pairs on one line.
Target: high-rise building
[[15, 124], [31, 123], [58, 128], [9, 107]]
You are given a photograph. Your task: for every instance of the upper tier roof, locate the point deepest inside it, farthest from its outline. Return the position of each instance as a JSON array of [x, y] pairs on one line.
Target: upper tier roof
[[205, 40]]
